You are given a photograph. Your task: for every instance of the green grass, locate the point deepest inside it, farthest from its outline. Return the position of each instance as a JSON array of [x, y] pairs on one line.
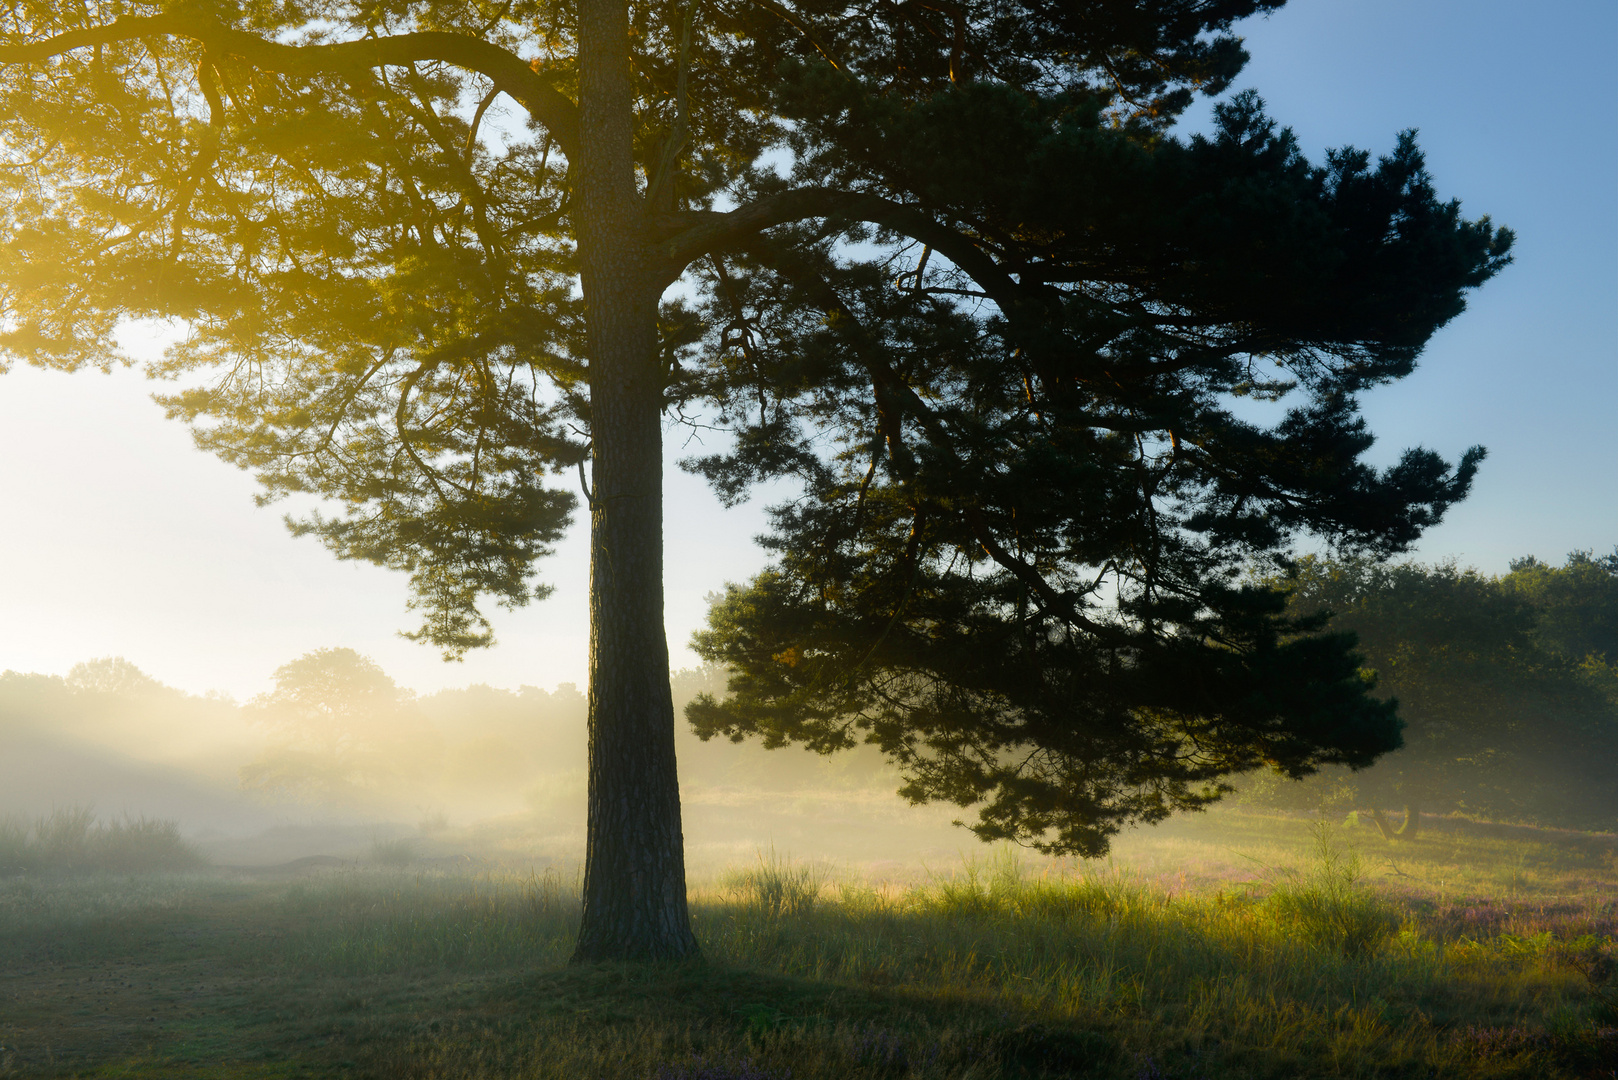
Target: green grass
[[1261, 948]]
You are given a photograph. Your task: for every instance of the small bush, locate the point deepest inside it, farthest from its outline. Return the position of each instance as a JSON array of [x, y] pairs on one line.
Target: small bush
[[135, 844], [65, 838], [72, 839], [13, 844], [394, 853]]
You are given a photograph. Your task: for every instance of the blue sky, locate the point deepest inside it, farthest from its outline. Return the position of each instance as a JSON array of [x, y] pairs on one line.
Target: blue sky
[[119, 538], [1517, 113]]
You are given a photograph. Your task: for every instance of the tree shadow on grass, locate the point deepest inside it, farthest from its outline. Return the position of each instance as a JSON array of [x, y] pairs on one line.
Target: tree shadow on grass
[[703, 1021]]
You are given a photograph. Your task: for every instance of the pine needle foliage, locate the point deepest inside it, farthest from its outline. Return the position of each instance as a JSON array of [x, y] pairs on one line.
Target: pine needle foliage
[[949, 269]]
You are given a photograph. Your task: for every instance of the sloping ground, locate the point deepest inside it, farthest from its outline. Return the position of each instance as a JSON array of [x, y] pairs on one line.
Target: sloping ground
[[1450, 860], [39, 772]]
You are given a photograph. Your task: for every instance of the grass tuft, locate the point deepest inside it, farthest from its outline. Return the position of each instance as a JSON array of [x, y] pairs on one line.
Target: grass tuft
[[775, 887], [1328, 903], [395, 853]]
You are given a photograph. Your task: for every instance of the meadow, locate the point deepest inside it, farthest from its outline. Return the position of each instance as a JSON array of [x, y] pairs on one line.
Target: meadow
[[1231, 944]]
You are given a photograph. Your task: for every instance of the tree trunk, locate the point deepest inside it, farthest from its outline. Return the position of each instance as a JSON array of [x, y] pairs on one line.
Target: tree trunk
[[634, 869], [1406, 831]]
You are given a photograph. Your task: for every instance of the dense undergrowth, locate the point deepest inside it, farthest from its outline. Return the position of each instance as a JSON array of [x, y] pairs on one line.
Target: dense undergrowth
[[994, 969]]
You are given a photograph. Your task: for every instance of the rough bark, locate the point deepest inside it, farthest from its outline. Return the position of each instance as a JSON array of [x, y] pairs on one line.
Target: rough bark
[[634, 875]]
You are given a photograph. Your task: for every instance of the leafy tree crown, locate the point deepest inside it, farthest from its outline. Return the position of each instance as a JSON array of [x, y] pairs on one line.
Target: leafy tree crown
[[1048, 375]]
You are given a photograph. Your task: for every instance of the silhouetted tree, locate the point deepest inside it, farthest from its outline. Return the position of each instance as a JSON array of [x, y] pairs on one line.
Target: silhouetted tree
[[950, 269], [1496, 723]]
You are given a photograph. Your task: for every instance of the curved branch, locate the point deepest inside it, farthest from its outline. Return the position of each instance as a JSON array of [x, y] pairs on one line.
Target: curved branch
[[687, 236], [509, 73], [400, 411], [477, 118], [798, 23], [471, 190]]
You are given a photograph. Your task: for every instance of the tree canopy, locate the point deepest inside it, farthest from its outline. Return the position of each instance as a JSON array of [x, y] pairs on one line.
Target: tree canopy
[[949, 267], [330, 717], [1500, 721], [1576, 606]]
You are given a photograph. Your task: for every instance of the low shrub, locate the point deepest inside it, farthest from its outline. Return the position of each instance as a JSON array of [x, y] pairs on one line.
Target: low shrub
[[71, 838], [395, 853]]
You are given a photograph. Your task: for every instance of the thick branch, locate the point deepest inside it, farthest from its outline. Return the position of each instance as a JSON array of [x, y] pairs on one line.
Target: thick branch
[[509, 73], [687, 236]]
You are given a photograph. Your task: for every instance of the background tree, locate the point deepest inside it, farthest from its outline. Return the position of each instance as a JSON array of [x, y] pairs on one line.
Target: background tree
[[110, 734], [1496, 723], [1576, 608], [333, 717], [953, 273], [117, 676]]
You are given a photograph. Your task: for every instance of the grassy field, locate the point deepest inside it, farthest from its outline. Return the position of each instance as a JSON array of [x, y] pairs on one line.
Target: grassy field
[[1226, 945]]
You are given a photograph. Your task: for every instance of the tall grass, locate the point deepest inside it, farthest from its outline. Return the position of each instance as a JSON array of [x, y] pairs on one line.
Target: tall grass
[[991, 970], [366, 922], [774, 886], [985, 970], [1327, 903], [73, 839], [1306, 965]]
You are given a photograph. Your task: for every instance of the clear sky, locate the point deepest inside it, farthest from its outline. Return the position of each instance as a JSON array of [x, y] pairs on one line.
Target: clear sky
[[116, 537]]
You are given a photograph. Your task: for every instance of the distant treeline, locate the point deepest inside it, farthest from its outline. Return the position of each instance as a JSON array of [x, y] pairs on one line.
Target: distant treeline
[[1508, 687], [338, 736]]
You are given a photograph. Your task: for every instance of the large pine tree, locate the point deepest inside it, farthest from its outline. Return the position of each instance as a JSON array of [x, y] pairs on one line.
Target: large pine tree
[[946, 265]]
